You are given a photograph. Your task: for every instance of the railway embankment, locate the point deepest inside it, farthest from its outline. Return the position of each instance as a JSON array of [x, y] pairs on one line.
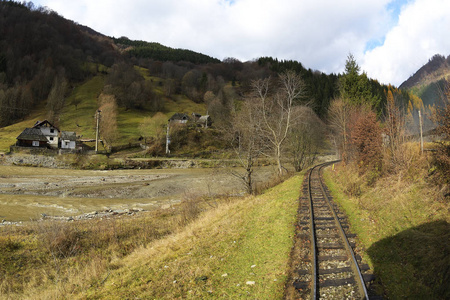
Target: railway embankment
[[402, 221]]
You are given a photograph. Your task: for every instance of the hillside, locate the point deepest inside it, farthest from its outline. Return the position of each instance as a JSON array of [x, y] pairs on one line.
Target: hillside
[[430, 80], [52, 68]]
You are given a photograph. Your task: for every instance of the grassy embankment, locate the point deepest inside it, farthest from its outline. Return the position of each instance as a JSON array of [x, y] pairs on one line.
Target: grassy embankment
[[403, 223], [238, 249], [81, 119]]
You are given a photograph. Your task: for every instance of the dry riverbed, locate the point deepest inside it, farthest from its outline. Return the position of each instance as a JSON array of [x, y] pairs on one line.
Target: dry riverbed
[[26, 193]]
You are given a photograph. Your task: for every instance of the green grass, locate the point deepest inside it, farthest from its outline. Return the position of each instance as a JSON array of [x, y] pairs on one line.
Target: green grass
[[180, 103], [128, 122], [84, 113], [244, 241], [404, 228]]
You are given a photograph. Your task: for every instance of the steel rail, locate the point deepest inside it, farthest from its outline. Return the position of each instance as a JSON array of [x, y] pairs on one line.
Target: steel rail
[[313, 241], [355, 266]]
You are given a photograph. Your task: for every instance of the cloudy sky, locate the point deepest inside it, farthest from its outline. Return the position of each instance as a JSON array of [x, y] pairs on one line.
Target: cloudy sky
[[390, 39]]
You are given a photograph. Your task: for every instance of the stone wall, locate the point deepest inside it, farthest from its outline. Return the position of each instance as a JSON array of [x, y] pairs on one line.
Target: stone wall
[[23, 159]]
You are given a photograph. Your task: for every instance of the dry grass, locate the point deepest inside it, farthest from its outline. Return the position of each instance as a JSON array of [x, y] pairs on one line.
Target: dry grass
[[61, 257], [403, 223], [184, 251], [215, 256]]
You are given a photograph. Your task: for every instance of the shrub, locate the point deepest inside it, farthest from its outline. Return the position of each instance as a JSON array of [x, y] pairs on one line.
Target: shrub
[[366, 141]]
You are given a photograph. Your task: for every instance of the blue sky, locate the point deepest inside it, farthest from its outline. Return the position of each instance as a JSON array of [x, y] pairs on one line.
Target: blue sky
[[394, 9], [389, 39]]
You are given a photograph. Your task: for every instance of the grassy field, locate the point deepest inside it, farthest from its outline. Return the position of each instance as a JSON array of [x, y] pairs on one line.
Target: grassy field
[[403, 223], [233, 248]]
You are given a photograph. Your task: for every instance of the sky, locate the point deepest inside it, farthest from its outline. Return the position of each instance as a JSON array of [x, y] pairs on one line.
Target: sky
[[390, 39]]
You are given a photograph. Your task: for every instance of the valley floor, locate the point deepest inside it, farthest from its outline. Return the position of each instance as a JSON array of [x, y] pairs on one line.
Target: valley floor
[[28, 192]]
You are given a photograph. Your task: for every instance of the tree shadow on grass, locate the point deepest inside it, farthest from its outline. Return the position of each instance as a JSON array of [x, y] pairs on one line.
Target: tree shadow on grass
[[415, 263]]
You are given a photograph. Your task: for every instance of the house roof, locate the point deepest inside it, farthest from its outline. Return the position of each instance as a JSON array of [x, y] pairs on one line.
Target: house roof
[[68, 135], [179, 116], [44, 123], [32, 134]]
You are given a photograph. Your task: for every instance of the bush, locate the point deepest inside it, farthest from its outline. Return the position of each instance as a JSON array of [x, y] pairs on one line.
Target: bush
[[366, 141]]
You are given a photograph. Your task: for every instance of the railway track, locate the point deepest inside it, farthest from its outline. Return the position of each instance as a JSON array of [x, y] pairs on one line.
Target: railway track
[[326, 267]]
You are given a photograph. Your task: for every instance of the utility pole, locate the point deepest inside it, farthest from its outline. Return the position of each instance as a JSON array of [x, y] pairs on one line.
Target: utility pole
[[421, 133], [96, 131], [167, 139]]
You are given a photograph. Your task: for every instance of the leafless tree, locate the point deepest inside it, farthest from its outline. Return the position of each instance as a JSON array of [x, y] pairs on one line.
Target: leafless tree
[[395, 135], [339, 116], [305, 137], [108, 119], [276, 109], [247, 141]]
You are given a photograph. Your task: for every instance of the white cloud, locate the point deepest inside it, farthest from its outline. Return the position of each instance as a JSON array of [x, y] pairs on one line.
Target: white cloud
[[422, 31], [318, 33]]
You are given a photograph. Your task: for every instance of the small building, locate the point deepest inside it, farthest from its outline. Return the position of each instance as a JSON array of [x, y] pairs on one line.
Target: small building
[[68, 140], [180, 118], [205, 121], [202, 120], [32, 137]]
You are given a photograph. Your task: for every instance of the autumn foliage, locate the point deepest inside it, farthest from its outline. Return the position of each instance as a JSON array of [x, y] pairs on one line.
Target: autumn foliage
[[366, 140]]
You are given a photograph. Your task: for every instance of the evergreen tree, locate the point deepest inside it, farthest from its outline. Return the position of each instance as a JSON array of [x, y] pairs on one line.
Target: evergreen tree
[[356, 88]]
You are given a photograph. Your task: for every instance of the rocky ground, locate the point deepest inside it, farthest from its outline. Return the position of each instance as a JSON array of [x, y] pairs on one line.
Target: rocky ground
[[31, 192]]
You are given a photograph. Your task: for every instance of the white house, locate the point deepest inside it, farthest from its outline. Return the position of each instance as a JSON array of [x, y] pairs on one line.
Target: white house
[[44, 134], [49, 131], [68, 140]]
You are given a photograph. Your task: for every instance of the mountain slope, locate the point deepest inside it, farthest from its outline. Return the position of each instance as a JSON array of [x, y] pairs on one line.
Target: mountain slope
[[430, 80]]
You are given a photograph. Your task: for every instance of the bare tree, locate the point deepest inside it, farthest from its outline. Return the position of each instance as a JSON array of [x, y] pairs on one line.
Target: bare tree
[[108, 120], [247, 141], [339, 116], [276, 109], [305, 137], [394, 138]]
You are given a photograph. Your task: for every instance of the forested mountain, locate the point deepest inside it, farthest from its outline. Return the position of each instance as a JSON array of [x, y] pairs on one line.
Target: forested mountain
[[429, 81], [41, 51], [43, 56], [156, 51]]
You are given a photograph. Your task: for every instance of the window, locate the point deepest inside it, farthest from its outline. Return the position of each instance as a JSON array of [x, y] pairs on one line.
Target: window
[[67, 143], [35, 143], [52, 130], [51, 138]]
